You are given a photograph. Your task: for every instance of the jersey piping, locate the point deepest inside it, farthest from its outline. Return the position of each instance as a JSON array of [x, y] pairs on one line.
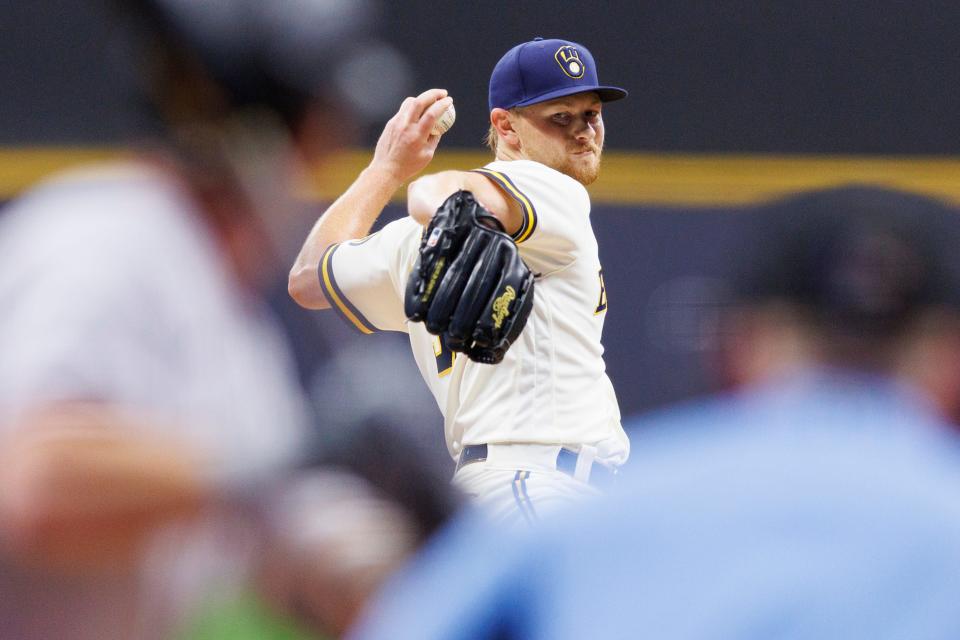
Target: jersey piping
[[529, 224], [346, 310]]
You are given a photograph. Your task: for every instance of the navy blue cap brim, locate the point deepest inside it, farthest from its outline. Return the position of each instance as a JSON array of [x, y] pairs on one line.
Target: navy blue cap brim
[[606, 93]]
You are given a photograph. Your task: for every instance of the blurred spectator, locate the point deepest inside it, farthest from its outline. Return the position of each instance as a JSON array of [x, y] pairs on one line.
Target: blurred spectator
[[339, 533], [326, 538], [817, 500], [144, 384]]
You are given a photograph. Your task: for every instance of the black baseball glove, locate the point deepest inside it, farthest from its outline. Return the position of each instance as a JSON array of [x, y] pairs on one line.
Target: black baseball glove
[[469, 284]]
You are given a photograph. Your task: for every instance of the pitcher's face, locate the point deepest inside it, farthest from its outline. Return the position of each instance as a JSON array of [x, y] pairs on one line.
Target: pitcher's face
[[565, 134]]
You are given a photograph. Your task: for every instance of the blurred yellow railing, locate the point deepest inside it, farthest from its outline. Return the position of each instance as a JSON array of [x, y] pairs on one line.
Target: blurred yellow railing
[[627, 178]]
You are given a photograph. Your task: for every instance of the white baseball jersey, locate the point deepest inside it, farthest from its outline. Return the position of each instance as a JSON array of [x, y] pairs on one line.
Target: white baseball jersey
[[551, 387], [113, 289]]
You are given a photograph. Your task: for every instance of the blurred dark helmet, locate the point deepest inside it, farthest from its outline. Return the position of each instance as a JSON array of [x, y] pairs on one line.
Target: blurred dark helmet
[[859, 261], [207, 58]]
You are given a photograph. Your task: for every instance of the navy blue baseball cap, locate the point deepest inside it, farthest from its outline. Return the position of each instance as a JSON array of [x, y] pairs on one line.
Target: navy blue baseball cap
[[542, 70]]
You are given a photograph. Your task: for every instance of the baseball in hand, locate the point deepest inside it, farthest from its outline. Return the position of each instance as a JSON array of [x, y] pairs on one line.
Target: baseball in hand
[[444, 122]]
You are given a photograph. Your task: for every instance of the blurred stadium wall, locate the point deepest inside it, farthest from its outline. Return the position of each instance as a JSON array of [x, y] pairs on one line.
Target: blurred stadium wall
[[731, 103]]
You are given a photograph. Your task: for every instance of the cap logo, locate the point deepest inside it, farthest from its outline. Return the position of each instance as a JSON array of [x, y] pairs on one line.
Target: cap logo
[[569, 60]]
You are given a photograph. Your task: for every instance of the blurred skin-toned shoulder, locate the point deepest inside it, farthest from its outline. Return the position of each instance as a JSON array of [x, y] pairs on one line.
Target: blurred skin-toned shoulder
[[83, 486], [426, 194]]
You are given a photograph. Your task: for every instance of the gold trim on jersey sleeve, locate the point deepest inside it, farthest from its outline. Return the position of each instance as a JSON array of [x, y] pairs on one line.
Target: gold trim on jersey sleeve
[[529, 224], [328, 283]]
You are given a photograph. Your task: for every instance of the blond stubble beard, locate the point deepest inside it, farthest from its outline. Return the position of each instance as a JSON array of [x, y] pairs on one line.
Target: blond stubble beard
[[585, 174]]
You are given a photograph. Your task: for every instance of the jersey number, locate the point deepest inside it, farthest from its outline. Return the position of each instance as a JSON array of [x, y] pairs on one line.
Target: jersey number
[[445, 357], [602, 304]]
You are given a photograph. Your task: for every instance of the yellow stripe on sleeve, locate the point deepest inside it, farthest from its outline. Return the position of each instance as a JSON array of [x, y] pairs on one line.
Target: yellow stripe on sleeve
[[530, 214], [329, 289]]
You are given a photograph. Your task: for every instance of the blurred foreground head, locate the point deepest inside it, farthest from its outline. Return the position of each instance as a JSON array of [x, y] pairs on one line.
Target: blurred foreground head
[[250, 97], [292, 62], [855, 277]]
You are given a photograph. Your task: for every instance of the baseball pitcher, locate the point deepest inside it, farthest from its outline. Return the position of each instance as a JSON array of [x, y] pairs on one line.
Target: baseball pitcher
[[494, 276]]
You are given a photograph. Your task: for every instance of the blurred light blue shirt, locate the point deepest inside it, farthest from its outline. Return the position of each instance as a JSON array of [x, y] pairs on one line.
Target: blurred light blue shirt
[[825, 505]]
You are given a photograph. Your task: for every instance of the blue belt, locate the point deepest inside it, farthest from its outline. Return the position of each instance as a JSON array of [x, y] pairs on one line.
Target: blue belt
[[566, 463]]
